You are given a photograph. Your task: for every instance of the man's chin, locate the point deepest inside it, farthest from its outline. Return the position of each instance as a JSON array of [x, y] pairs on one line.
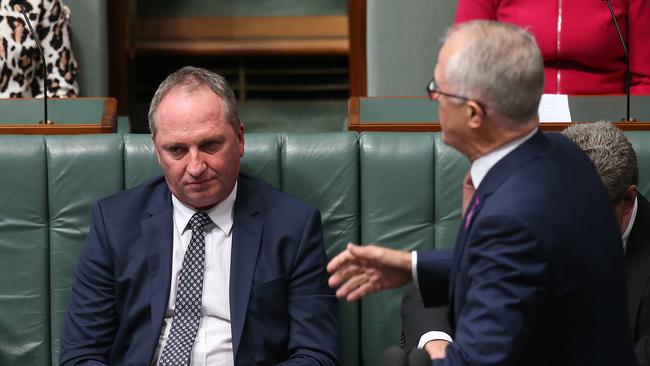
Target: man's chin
[[201, 202]]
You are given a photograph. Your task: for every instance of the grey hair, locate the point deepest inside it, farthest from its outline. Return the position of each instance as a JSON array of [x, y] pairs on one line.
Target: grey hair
[[611, 153], [192, 78], [500, 65]]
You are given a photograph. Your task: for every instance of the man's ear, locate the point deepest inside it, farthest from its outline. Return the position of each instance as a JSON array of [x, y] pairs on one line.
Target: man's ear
[[475, 114], [627, 202], [240, 138]]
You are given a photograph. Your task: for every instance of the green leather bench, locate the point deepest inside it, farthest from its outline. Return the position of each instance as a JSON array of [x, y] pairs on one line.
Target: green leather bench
[[398, 189]]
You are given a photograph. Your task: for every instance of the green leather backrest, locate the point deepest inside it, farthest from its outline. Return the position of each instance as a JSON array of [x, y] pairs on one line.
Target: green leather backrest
[[89, 37], [399, 189], [81, 169], [410, 200], [24, 252], [323, 169], [140, 161], [49, 185]]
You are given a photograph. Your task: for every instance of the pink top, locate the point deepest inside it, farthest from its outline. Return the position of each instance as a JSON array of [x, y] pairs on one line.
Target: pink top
[[581, 49]]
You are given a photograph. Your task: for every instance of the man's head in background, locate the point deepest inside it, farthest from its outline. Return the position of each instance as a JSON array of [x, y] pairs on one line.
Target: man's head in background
[[615, 161]]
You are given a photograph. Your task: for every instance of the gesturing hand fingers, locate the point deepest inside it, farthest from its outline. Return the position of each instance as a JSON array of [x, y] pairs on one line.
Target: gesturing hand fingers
[[351, 283], [360, 270], [361, 291], [342, 275], [341, 259]]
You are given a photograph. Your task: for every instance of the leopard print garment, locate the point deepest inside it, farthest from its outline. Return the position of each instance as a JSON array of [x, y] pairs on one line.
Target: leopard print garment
[[21, 68]]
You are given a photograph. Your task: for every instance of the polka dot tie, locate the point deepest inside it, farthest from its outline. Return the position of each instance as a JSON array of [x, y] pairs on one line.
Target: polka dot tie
[[189, 290]]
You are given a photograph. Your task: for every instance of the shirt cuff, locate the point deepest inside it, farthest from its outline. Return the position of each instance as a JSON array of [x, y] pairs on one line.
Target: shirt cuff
[[433, 336], [414, 268]]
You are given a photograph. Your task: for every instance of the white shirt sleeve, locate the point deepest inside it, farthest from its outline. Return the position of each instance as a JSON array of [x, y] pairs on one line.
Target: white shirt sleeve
[[414, 268], [433, 336]]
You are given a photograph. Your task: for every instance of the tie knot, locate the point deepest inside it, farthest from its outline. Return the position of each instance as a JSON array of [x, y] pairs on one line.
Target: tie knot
[[199, 220]]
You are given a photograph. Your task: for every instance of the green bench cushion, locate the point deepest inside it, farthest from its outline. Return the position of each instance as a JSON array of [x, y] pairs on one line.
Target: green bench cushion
[[81, 170], [24, 248]]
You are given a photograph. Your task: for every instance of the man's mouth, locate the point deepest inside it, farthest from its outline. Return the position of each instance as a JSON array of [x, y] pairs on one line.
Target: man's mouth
[[198, 182]]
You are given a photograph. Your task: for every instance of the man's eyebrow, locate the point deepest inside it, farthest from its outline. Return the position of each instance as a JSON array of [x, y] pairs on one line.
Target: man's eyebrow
[[212, 139], [170, 145]]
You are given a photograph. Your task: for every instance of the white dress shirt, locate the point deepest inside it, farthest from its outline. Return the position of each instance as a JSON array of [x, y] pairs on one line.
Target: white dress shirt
[[628, 229], [213, 344], [478, 170]]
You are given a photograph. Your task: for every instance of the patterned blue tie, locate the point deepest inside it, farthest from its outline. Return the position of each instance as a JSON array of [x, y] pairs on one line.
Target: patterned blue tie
[[189, 290]]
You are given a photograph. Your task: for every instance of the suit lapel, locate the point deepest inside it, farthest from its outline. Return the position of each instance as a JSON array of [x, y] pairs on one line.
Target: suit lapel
[[637, 257], [495, 176], [157, 233], [246, 242]]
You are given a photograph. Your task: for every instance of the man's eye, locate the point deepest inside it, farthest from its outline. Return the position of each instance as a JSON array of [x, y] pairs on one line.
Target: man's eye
[[176, 150], [210, 146]]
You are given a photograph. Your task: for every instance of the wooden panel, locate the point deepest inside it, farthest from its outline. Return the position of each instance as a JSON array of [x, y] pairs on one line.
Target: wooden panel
[[435, 127], [243, 35], [357, 57], [357, 123], [246, 47], [118, 83], [108, 123]]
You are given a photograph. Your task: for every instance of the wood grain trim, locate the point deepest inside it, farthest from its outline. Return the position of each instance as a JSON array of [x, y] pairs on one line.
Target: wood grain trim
[[198, 28], [118, 55], [355, 123], [247, 47], [54, 129], [354, 112], [109, 117], [242, 35], [357, 59], [435, 127]]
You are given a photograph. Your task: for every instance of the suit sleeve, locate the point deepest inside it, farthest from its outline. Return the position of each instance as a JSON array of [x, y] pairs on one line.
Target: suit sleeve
[[89, 324], [418, 320], [313, 308], [638, 35], [506, 281]]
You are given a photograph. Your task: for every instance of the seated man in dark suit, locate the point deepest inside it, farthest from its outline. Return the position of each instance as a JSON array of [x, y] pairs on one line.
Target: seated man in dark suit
[[616, 163], [537, 273], [204, 265]]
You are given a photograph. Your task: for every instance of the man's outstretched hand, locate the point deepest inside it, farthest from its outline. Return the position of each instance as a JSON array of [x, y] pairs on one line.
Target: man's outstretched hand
[[360, 270]]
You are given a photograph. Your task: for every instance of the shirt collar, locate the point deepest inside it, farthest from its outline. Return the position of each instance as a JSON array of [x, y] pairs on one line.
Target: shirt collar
[[628, 229], [482, 165], [221, 214]]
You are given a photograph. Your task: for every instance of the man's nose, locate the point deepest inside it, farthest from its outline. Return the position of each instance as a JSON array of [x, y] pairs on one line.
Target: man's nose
[[196, 165]]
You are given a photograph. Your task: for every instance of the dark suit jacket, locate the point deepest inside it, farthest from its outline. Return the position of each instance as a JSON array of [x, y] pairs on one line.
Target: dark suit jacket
[[637, 258], [537, 274], [281, 307]]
